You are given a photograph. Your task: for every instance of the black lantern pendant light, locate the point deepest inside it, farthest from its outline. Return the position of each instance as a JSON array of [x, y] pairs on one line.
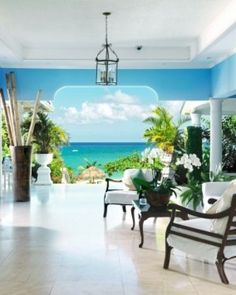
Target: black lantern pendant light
[[106, 62]]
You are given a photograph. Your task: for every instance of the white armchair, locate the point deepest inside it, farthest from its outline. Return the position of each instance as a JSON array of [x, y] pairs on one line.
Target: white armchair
[[210, 236], [213, 191], [126, 193]]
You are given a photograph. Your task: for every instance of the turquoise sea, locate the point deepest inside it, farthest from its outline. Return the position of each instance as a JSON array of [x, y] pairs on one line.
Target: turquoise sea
[[102, 152]]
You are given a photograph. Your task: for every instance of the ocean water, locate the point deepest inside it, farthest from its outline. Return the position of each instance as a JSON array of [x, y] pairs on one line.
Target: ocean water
[[75, 153]]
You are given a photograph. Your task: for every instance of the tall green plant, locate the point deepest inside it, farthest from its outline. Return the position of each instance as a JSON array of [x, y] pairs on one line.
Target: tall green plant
[[5, 139], [194, 146], [47, 136], [229, 143], [163, 131]]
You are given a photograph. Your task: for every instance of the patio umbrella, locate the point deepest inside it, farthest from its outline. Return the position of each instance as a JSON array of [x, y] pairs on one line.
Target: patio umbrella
[[91, 174]]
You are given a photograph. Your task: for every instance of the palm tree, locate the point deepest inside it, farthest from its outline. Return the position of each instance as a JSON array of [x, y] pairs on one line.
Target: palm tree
[[47, 135], [163, 131]]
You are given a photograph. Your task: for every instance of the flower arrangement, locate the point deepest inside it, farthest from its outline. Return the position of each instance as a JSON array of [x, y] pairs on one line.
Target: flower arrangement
[[151, 157], [193, 194], [189, 162], [150, 154]]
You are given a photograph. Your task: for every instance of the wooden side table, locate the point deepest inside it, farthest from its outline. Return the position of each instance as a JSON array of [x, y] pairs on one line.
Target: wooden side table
[[147, 211]]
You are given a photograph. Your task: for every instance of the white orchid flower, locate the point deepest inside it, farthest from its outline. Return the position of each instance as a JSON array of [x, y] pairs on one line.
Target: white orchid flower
[[189, 161], [150, 160]]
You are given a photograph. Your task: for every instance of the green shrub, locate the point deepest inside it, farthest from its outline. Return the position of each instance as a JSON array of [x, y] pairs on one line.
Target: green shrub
[[131, 161]]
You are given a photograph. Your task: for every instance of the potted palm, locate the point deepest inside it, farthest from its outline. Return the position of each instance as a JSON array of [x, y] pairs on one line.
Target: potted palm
[[47, 137]]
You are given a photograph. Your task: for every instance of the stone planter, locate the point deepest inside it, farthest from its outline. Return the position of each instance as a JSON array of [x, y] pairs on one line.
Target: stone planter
[[44, 172], [21, 162]]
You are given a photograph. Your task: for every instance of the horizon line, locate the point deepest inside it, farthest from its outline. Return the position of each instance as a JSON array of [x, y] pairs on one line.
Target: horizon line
[[107, 142]]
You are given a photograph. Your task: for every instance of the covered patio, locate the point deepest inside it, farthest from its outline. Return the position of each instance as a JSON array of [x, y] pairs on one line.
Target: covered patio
[[59, 243]]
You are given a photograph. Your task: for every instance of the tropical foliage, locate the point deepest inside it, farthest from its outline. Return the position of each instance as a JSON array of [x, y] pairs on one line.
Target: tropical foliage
[[5, 139], [47, 136], [229, 143], [193, 194], [194, 146], [132, 161], [163, 131]]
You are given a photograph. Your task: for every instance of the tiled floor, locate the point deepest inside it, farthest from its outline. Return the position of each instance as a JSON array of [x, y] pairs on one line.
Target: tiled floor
[[59, 244]]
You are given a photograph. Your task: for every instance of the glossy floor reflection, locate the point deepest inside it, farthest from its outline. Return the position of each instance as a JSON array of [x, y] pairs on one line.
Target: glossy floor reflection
[[59, 244]]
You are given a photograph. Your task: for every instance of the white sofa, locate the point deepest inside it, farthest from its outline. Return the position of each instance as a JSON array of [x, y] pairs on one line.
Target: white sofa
[[212, 190]]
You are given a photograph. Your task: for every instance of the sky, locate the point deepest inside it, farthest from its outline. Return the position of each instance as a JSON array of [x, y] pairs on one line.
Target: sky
[[106, 114]]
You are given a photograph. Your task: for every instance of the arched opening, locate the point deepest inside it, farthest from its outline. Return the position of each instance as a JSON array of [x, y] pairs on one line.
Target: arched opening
[[104, 123]]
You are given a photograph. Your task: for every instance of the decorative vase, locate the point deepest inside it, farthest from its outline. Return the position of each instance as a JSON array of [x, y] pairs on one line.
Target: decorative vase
[[21, 160], [44, 172]]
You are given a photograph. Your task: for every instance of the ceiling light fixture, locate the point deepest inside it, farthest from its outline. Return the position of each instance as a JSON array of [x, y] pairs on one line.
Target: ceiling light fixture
[[106, 61]]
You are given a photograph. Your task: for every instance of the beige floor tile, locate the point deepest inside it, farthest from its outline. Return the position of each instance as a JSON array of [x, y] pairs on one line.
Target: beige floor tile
[[73, 288], [13, 288], [61, 245]]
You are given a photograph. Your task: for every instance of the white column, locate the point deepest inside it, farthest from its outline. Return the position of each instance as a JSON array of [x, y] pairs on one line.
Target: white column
[[196, 119], [215, 134]]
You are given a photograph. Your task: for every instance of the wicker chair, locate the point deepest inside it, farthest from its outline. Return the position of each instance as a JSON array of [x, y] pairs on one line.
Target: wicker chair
[[197, 236]]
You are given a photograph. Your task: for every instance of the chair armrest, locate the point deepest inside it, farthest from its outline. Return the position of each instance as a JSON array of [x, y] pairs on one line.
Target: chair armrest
[[108, 180], [113, 180], [222, 214]]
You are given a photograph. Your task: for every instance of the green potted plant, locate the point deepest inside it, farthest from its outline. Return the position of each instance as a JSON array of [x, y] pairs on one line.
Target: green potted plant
[[47, 137], [164, 189], [157, 194], [192, 195]]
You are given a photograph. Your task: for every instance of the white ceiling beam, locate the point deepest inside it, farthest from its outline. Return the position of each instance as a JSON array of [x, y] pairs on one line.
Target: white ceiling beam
[[9, 46], [219, 27], [176, 53]]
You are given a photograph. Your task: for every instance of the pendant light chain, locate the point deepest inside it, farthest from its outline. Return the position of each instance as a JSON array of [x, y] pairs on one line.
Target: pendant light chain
[[106, 38], [106, 61]]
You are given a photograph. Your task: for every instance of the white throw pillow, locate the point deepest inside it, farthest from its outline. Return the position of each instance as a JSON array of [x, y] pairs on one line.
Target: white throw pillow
[[219, 225], [127, 179], [213, 208], [130, 173]]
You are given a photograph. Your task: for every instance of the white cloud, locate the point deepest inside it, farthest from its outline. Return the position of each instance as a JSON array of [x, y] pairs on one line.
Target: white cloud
[[118, 106], [71, 114], [120, 97], [104, 112]]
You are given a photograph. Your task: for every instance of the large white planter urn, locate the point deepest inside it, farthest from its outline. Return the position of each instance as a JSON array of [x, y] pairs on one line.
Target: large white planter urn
[[44, 172]]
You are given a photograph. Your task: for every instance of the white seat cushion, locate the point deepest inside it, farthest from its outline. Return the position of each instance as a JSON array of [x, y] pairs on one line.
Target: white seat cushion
[[121, 197], [198, 249]]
